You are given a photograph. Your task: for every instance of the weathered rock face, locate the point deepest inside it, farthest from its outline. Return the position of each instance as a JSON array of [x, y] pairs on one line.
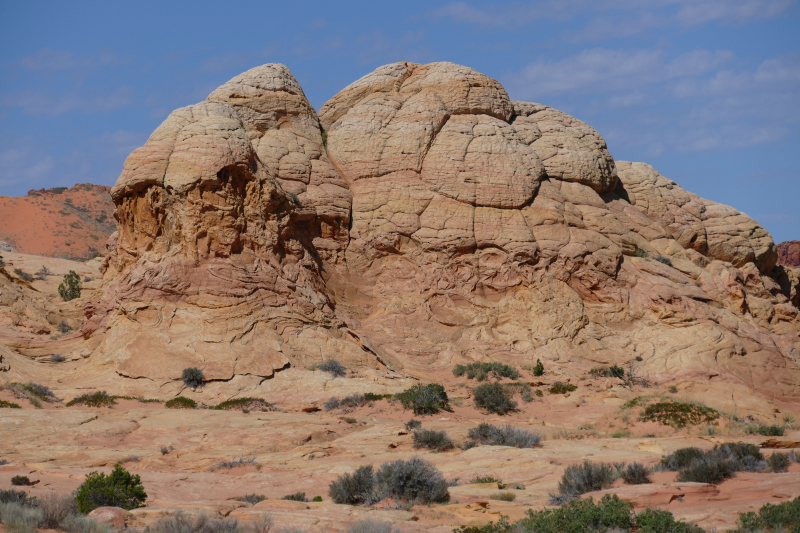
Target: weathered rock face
[[425, 219], [789, 253]]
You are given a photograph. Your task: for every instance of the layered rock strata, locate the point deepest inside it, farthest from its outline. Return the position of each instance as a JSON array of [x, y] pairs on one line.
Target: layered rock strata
[[424, 219]]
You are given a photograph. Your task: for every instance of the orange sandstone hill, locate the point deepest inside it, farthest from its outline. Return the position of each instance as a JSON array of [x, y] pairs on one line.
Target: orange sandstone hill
[[420, 220], [59, 222]]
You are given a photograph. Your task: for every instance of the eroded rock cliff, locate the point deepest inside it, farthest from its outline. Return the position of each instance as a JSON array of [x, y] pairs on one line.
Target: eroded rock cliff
[[423, 219]]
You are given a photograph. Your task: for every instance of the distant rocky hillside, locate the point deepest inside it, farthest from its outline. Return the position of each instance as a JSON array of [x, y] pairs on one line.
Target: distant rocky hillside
[[789, 253], [63, 222]]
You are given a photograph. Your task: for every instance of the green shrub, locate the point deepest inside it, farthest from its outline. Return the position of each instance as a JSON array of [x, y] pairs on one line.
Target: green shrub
[[640, 253], [580, 516], [635, 474], [582, 478], [96, 399], [432, 440], [21, 481], [487, 479], [9, 405], [16, 496], [778, 462], [538, 369], [561, 388], [767, 431], [118, 489], [681, 458], [70, 288], [317, 499], [504, 496], [296, 497], [716, 465], [371, 397], [504, 436], [493, 397], [773, 518], [412, 481], [481, 371], [334, 367], [192, 377], [181, 403], [425, 399], [538, 393], [613, 371], [679, 414], [241, 404]]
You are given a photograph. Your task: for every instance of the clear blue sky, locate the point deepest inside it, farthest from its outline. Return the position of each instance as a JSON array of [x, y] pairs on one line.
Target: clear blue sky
[[707, 91]]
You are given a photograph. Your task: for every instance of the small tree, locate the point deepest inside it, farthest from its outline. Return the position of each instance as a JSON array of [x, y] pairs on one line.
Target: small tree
[[118, 489], [70, 288], [192, 377], [538, 370]]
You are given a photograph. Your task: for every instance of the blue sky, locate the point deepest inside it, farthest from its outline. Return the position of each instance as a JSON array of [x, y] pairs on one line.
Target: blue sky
[[707, 91]]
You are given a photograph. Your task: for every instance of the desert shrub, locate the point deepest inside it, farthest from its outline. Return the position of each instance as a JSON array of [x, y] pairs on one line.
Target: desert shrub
[[24, 276], [538, 369], [242, 404], [317, 499], [356, 488], [43, 272], [504, 436], [678, 414], [349, 420], [663, 260], [333, 367], [613, 371], [32, 392], [70, 288], [415, 481], [353, 401], [20, 481], [118, 489], [331, 404], [767, 431], [233, 463], [413, 424], [640, 253], [716, 465], [57, 358], [367, 525], [82, 524], [635, 474], [192, 377], [505, 496], [96, 399], [561, 388], [773, 518], [481, 371], [778, 462], [494, 398], [182, 522], [469, 444], [19, 518], [296, 497], [9, 405], [55, 508], [609, 515], [181, 403], [63, 326], [582, 478], [432, 440], [16, 496], [372, 397], [487, 479], [425, 399]]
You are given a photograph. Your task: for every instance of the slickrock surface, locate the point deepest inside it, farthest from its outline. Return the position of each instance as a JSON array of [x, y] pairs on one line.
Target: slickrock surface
[[423, 219], [789, 253], [60, 222]]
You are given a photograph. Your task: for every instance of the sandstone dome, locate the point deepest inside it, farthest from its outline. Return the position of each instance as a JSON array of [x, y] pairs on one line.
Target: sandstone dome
[[422, 219]]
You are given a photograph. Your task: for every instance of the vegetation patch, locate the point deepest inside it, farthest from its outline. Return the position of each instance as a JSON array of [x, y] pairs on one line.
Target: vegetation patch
[[24, 276], [21, 481], [778, 462], [425, 399], [9, 405], [635, 474], [333, 367], [242, 404], [494, 397], [33, 392], [578, 516], [181, 403], [504, 436], [481, 371], [413, 424], [432, 440], [561, 388], [296, 497], [678, 414], [767, 431], [118, 489], [582, 478], [487, 479], [715, 465], [192, 377], [412, 481], [95, 399], [504, 496], [773, 518], [70, 287], [613, 371]]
